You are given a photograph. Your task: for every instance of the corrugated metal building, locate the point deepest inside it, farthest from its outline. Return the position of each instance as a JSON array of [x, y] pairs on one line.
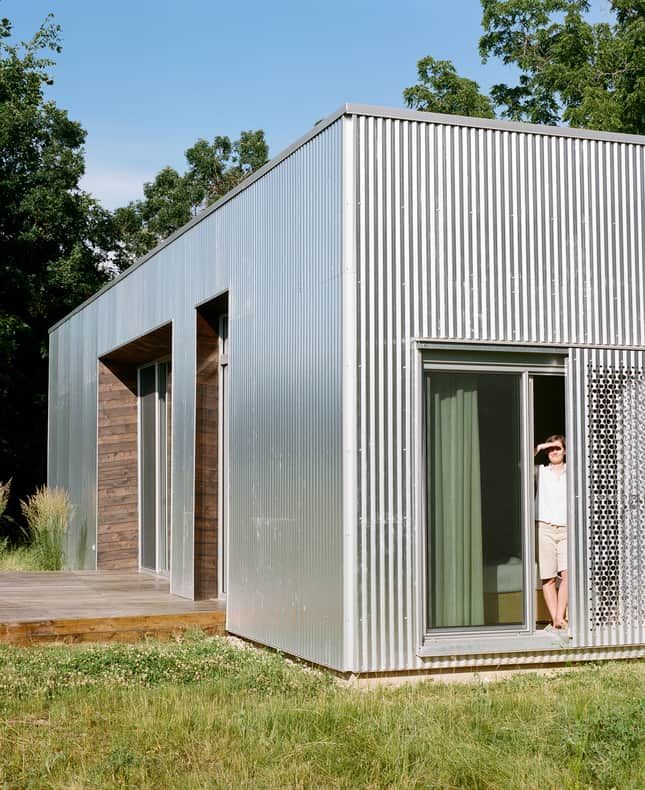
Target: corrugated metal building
[[261, 407]]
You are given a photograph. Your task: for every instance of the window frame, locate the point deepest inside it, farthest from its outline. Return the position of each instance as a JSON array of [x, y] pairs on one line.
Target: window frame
[[158, 570], [526, 361]]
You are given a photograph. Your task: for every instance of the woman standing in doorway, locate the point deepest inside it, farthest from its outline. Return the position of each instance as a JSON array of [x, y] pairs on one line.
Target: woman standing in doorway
[[551, 516]]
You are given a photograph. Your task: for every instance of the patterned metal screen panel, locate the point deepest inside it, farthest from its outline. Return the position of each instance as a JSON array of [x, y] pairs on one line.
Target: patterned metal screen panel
[[615, 487]]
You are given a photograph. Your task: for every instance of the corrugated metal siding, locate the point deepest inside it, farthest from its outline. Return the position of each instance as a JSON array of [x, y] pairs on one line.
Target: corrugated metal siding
[[276, 247], [473, 234], [72, 432], [285, 579]]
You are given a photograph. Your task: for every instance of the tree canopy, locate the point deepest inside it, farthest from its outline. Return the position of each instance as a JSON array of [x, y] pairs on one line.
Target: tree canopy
[[172, 199], [53, 238], [441, 89], [570, 70], [58, 245]]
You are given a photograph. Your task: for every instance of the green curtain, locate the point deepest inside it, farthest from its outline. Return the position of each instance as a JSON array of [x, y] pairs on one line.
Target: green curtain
[[457, 567]]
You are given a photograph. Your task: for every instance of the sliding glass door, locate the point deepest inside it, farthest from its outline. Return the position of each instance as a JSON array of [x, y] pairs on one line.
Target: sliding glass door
[[154, 466], [483, 413], [475, 506]]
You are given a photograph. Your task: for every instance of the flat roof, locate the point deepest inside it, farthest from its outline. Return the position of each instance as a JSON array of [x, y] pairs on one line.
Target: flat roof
[[373, 112]]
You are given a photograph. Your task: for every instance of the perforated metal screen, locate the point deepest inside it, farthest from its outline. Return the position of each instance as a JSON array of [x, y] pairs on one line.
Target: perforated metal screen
[[612, 453]]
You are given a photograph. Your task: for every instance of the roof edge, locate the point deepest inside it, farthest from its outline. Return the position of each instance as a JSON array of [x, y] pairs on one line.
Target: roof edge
[[492, 123], [364, 110], [248, 181]]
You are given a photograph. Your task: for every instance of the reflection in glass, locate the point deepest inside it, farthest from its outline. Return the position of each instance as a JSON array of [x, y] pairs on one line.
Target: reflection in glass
[[155, 450], [148, 465], [475, 554]]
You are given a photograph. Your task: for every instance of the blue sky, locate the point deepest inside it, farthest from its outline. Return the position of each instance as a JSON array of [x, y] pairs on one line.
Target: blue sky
[[146, 79]]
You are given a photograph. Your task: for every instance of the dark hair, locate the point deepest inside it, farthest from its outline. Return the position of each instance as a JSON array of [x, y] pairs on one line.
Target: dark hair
[[557, 437]]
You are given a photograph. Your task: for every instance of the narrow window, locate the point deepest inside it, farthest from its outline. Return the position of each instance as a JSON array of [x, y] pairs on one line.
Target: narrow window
[[154, 465], [148, 465]]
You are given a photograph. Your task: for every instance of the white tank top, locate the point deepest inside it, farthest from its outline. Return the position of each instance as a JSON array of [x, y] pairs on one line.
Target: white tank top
[[551, 497]]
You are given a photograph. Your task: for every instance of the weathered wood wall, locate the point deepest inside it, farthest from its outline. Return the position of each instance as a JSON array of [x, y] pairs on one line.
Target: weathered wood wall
[[117, 488], [206, 457]]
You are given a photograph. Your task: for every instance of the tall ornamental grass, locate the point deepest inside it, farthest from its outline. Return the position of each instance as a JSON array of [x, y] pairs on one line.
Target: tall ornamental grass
[[5, 490], [47, 513]]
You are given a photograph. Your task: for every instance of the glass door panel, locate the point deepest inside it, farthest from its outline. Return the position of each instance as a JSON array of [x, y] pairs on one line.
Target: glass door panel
[[154, 465], [223, 453], [475, 534], [148, 465], [168, 464], [163, 467]]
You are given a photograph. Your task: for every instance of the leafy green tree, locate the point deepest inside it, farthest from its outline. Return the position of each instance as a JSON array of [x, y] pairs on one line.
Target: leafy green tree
[[142, 224], [172, 199], [216, 168], [570, 70], [53, 239], [441, 89]]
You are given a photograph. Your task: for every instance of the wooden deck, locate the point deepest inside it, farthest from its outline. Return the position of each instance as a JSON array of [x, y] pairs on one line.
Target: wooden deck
[[97, 606]]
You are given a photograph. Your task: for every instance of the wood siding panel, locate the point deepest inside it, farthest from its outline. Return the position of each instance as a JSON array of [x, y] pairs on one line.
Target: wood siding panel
[[117, 506], [144, 349], [206, 458]]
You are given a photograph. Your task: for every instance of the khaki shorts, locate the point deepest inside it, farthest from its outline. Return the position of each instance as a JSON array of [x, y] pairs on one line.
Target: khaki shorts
[[552, 544]]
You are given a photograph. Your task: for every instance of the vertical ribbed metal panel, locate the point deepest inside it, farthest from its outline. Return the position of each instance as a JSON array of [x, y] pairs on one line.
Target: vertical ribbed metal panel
[[72, 432], [479, 235], [285, 546], [276, 248]]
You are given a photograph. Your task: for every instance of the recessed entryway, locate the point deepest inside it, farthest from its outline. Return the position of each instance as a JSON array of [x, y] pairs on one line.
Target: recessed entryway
[[211, 421], [119, 493]]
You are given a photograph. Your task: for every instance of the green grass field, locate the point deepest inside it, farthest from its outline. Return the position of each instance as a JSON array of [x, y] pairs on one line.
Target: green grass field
[[204, 713]]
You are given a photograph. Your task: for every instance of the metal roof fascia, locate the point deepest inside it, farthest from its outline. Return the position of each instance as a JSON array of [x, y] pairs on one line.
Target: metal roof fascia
[[317, 129], [491, 123], [373, 111]]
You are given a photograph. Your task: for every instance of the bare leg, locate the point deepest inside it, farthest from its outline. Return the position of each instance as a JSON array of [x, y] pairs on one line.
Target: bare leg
[[550, 598], [563, 600]]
